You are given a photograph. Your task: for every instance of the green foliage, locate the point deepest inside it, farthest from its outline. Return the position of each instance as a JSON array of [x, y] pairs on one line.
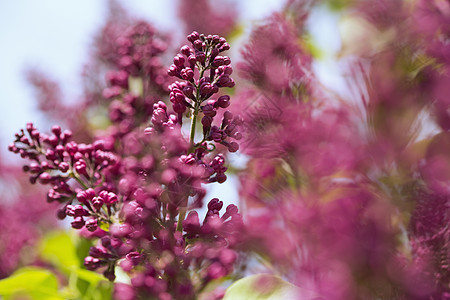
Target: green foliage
[[66, 255], [30, 283]]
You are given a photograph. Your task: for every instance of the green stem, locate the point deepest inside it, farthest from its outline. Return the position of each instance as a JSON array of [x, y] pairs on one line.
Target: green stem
[[78, 179], [193, 124], [181, 217], [183, 208]]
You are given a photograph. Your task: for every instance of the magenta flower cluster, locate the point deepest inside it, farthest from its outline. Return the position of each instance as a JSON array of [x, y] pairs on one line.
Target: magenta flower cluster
[[132, 188]]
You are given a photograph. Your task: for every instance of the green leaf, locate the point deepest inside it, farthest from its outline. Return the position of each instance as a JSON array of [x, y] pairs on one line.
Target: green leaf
[[59, 249], [37, 283], [265, 287], [89, 276]]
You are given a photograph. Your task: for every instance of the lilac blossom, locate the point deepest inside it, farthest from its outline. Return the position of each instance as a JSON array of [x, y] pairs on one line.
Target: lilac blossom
[[132, 186], [336, 192]]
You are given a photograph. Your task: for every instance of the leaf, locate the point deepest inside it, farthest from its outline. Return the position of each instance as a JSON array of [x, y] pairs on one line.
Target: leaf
[[265, 287], [59, 249], [37, 283]]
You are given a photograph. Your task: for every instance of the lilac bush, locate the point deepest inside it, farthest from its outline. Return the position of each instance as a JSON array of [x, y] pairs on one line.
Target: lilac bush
[[341, 195]]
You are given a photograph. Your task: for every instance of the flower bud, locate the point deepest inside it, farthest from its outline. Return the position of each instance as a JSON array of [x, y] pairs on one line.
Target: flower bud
[[78, 223]]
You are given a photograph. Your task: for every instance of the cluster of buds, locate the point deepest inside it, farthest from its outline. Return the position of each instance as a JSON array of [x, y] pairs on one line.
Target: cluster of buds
[[137, 204], [56, 160], [203, 72], [139, 71], [214, 259]]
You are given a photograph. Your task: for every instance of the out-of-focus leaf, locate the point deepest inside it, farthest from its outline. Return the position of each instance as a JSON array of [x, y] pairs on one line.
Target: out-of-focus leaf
[[59, 249], [32, 282], [265, 287]]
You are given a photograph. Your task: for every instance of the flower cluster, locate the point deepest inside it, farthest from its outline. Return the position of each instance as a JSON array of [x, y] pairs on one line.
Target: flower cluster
[[328, 178], [56, 160], [133, 187], [140, 78], [204, 72]]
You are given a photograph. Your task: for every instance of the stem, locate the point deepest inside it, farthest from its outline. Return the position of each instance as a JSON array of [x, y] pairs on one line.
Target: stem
[[78, 179], [181, 217], [193, 124], [183, 208]]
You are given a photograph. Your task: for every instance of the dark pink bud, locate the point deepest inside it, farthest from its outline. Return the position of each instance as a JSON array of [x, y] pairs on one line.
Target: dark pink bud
[[218, 61], [185, 50], [66, 135], [59, 150], [188, 90], [208, 110], [56, 130], [231, 211], [52, 140], [206, 122], [198, 44], [90, 193], [192, 59], [91, 225], [71, 148], [13, 148], [214, 53], [173, 71], [30, 127], [110, 198], [63, 167], [109, 274], [98, 252], [221, 178], [34, 168], [224, 47], [76, 211], [205, 89], [233, 147], [223, 101], [224, 81], [92, 263], [61, 214], [45, 178], [179, 60], [187, 73], [97, 203], [78, 223], [193, 36], [226, 60], [200, 57], [215, 204], [80, 167], [179, 108]]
